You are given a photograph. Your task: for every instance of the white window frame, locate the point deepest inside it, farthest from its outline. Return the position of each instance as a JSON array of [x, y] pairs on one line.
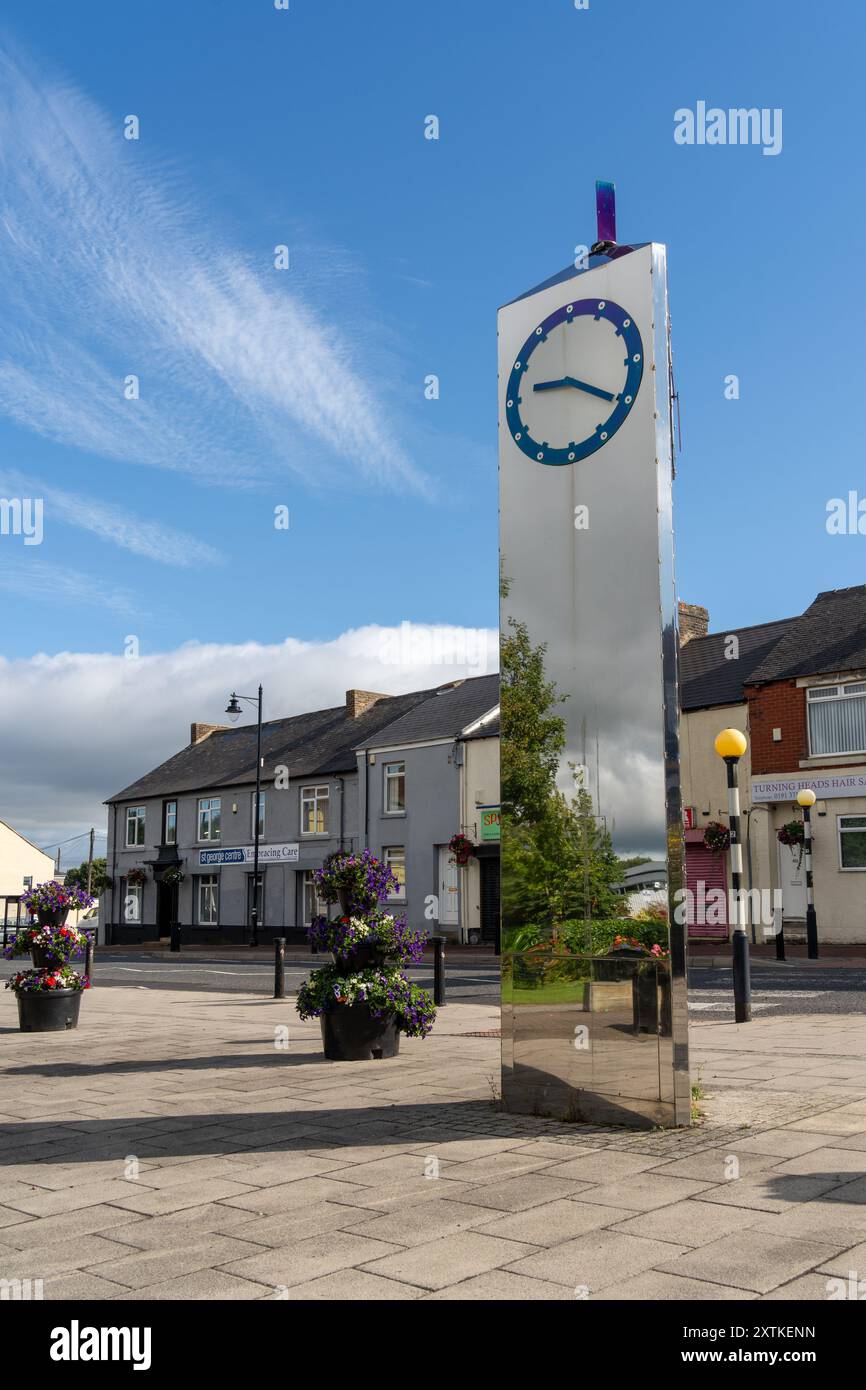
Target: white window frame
[[206, 807], [389, 779], [841, 831], [253, 814], [165, 806], [200, 881], [140, 820], [387, 852], [133, 890], [821, 694], [316, 794], [311, 904]]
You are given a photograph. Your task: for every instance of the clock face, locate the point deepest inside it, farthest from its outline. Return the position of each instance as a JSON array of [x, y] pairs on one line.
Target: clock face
[[574, 381]]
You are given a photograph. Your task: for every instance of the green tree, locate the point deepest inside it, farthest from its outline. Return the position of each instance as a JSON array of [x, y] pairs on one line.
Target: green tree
[[533, 738], [100, 878], [560, 868]]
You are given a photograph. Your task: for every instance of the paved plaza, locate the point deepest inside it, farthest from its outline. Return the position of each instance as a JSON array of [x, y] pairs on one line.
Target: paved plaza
[[180, 1146]]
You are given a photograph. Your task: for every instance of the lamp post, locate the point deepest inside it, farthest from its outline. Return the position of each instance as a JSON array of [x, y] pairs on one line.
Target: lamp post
[[730, 745], [233, 710], [806, 799]]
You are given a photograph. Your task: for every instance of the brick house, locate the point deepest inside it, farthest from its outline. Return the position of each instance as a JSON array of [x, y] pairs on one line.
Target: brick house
[[797, 689]]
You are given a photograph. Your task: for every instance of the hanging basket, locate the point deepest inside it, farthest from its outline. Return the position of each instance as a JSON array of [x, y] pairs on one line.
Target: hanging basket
[[717, 837]]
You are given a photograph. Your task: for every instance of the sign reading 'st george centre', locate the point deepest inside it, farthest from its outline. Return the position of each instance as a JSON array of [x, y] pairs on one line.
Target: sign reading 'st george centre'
[[586, 468]]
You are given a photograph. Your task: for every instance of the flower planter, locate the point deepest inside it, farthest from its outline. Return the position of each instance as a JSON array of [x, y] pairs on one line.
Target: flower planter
[[53, 917], [360, 957], [44, 1011], [351, 1034], [43, 959]]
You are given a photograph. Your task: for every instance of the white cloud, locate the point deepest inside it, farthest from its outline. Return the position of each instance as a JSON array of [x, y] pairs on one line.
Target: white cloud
[[85, 725], [107, 269]]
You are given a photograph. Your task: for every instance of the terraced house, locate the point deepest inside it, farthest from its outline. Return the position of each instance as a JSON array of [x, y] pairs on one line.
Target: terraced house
[[797, 689], [384, 772]]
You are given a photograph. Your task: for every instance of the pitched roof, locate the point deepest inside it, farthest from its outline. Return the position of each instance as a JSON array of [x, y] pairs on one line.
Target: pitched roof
[[308, 744], [830, 636], [708, 677], [444, 714]]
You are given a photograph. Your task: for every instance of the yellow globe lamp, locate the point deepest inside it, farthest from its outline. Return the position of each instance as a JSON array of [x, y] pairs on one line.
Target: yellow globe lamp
[[805, 797], [730, 743]]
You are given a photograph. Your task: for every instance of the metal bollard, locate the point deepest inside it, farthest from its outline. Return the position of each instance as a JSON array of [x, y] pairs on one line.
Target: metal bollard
[[88, 956], [175, 936], [438, 971], [279, 967]]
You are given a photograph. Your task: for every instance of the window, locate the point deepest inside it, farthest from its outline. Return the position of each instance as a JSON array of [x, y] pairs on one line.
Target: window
[[169, 823], [314, 906], [852, 842], [134, 826], [132, 901], [28, 882], [209, 818], [395, 858], [837, 718], [207, 900], [395, 788], [314, 810], [253, 814]]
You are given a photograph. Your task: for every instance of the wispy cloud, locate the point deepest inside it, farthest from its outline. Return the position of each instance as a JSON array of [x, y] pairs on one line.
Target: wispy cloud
[[32, 578], [151, 539], [108, 269]]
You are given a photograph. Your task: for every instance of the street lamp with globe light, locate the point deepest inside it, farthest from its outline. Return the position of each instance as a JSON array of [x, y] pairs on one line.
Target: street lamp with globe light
[[730, 745], [234, 711], [806, 799]]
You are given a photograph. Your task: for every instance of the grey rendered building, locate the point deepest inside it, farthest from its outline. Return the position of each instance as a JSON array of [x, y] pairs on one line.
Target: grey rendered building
[[379, 771]]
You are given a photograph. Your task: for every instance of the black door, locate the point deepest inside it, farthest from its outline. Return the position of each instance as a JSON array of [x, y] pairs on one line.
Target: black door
[[166, 907], [490, 900]]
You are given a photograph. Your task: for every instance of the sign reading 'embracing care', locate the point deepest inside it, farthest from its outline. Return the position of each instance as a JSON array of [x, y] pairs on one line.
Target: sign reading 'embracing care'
[[785, 789], [245, 854]]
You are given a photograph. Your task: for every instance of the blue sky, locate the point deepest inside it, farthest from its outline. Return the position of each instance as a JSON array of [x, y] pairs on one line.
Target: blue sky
[[305, 388]]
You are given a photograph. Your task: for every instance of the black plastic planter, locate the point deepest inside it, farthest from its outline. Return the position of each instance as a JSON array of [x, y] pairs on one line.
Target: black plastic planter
[[48, 1011], [351, 1034], [54, 917], [360, 957], [43, 959]]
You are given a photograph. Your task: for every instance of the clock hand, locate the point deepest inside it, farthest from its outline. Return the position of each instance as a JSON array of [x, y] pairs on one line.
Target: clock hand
[[579, 385]]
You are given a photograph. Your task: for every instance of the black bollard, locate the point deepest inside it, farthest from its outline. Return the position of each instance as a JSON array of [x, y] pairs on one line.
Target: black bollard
[[175, 936], [88, 955], [438, 971], [279, 967]]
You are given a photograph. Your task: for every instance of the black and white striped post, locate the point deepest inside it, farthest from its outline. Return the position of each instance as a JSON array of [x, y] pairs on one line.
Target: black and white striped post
[[806, 799], [730, 745]]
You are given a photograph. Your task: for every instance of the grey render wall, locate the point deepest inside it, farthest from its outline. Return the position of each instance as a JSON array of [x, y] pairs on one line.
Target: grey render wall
[[431, 817], [283, 894]]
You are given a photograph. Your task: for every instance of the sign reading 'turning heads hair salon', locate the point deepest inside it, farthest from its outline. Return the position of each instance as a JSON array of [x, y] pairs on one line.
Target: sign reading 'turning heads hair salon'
[[589, 638]]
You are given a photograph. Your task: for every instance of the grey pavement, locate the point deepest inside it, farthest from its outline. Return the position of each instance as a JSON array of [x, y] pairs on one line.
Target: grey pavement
[[179, 1145]]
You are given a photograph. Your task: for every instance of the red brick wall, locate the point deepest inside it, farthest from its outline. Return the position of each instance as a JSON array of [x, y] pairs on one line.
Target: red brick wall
[[777, 706]]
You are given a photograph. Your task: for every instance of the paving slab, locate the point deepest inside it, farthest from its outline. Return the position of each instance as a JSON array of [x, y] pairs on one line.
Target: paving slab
[[751, 1259]]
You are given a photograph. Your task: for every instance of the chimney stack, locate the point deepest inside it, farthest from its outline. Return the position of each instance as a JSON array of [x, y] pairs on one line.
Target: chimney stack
[[694, 621], [197, 732], [359, 701]]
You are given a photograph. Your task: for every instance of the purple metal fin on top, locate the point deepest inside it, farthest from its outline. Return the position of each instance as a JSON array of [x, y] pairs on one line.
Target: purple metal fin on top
[[605, 210]]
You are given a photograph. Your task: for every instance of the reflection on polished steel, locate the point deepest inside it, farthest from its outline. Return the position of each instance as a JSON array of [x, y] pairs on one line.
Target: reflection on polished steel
[[587, 549]]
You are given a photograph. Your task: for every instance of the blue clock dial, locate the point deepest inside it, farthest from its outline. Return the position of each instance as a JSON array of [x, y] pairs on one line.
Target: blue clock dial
[[574, 381]]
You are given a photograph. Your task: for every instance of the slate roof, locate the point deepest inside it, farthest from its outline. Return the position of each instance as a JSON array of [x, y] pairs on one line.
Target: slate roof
[[308, 744], [316, 744], [830, 636], [450, 710], [708, 677], [488, 730]]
